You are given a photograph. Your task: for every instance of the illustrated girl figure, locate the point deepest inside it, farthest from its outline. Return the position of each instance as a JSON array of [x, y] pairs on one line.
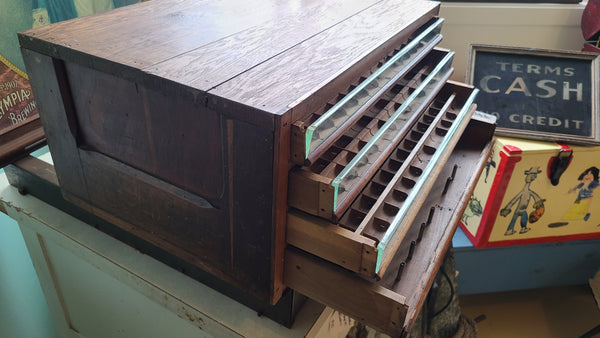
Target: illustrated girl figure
[[585, 189]]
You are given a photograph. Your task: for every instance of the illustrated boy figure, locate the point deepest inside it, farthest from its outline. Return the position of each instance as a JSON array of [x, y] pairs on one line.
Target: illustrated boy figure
[[522, 202]]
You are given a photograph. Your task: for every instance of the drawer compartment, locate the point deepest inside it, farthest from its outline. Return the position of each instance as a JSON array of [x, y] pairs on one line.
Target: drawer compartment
[[389, 304], [313, 134], [327, 186], [370, 232]]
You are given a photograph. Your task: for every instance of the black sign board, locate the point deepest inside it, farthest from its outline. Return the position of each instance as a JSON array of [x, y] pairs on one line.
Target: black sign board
[[541, 94]]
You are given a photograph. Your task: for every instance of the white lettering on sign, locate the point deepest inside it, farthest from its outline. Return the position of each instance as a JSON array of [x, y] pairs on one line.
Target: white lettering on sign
[[567, 89], [518, 85], [535, 69], [544, 121], [22, 116], [542, 88], [12, 99], [6, 86], [543, 85]]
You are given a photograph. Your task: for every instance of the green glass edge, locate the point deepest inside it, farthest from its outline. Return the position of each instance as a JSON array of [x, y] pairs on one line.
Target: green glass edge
[[398, 112], [335, 186], [381, 252], [309, 133]]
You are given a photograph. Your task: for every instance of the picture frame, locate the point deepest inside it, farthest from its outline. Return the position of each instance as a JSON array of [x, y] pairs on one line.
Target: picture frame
[[542, 94]]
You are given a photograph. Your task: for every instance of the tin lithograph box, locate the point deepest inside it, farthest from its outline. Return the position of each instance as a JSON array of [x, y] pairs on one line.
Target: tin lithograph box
[[533, 192]]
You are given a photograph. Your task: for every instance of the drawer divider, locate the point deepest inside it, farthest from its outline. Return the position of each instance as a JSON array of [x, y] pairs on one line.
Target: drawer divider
[[398, 227]]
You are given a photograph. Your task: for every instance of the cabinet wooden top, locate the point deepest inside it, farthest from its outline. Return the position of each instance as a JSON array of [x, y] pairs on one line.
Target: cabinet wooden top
[[264, 54]]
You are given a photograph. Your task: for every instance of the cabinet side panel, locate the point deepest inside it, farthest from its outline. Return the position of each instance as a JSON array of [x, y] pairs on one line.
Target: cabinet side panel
[[250, 152], [163, 214], [173, 138], [52, 93]]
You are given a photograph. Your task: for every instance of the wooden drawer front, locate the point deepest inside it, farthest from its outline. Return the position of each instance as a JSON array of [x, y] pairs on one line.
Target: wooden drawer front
[[326, 187], [377, 221], [390, 303]]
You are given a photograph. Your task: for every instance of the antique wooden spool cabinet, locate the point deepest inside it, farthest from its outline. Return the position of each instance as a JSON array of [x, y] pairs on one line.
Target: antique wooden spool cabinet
[[270, 144]]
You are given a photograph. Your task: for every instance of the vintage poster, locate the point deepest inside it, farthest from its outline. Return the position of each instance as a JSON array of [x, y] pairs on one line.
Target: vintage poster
[[17, 104]]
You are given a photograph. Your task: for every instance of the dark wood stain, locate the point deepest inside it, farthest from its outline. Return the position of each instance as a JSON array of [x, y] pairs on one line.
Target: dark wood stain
[[172, 118], [48, 89], [210, 65], [172, 138], [279, 83]]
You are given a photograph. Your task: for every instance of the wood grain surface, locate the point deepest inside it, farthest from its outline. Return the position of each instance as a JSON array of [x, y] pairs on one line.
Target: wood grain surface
[[144, 34], [276, 85], [215, 63], [269, 55], [173, 117], [170, 137], [51, 93]]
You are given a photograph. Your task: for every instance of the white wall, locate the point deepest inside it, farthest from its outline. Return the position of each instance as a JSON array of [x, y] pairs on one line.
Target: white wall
[[547, 26]]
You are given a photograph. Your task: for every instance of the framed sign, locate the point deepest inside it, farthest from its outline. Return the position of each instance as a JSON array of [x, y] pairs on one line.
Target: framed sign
[[541, 94]]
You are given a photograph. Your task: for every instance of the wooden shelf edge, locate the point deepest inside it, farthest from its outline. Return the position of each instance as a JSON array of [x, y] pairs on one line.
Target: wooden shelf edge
[[343, 290]]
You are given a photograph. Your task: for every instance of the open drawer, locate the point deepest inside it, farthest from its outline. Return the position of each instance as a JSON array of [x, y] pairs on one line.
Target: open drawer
[[380, 211], [313, 133], [326, 185], [322, 258]]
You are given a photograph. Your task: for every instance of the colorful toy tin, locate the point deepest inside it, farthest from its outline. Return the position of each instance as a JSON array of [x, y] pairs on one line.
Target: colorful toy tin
[[534, 192]]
